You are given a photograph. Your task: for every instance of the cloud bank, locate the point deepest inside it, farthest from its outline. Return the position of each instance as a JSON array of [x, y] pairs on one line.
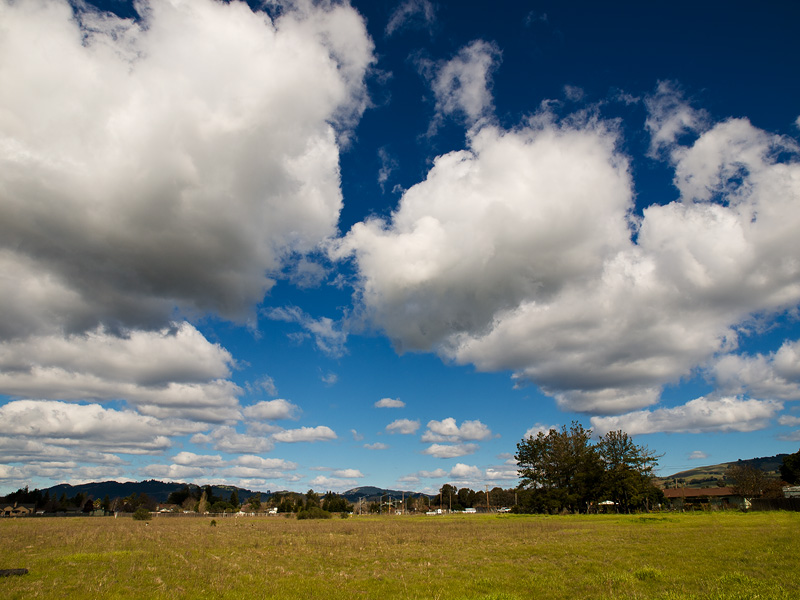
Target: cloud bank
[[525, 253], [180, 157]]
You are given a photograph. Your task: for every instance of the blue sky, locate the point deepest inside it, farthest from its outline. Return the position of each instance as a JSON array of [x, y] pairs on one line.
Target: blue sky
[[323, 245]]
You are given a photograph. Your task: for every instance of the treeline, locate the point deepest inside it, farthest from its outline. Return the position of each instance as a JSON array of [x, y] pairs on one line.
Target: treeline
[[44, 501], [563, 471]]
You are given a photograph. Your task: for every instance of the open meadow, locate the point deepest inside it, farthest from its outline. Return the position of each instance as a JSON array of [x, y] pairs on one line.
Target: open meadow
[[670, 556]]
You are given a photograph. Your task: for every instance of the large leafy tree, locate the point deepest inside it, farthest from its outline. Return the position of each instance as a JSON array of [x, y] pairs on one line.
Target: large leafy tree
[[563, 470], [627, 470], [790, 469], [560, 468]]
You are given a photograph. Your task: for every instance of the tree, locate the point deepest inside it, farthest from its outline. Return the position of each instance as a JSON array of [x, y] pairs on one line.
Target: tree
[[202, 506], [254, 503], [446, 494], [627, 470], [234, 500], [748, 482], [790, 469], [313, 512], [466, 497], [561, 468], [335, 503], [312, 499], [180, 496], [142, 514]]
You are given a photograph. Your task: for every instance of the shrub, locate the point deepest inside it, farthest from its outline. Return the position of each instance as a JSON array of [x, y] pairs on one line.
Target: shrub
[[314, 512], [142, 514]]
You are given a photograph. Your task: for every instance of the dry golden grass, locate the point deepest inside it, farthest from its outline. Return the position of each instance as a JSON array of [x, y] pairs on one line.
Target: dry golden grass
[[670, 556]]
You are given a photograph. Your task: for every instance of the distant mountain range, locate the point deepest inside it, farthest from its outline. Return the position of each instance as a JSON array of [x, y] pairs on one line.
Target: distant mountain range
[[160, 491], [698, 477], [371, 494], [157, 490]]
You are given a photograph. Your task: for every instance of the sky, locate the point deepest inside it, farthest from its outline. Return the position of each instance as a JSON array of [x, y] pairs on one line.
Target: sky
[[319, 245]]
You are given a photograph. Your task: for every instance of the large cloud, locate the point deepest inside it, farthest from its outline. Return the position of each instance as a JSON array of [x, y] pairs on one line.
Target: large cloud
[[151, 170], [775, 375], [175, 160], [696, 416], [519, 254], [171, 373], [87, 426]]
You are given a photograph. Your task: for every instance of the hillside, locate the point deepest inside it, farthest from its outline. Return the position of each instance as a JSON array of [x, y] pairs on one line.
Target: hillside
[[374, 494], [708, 476], [157, 490]]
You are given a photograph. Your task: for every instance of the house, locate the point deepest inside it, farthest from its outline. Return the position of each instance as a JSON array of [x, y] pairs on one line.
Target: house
[[715, 497], [791, 491], [18, 510]]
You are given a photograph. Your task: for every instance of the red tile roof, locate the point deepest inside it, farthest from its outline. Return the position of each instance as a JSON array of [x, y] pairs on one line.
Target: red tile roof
[[715, 492]]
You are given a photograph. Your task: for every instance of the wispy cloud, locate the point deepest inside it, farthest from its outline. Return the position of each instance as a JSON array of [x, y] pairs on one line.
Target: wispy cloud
[[376, 446], [462, 85], [404, 426], [305, 434], [328, 334], [450, 450], [412, 14], [390, 403]]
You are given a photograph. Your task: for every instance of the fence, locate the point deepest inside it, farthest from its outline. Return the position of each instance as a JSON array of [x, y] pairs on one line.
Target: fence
[[775, 504]]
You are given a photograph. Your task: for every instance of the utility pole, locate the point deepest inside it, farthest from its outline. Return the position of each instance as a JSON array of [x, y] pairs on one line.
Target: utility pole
[[488, 509]]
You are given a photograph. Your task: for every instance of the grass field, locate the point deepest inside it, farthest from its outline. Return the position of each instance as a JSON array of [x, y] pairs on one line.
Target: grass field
[[670, 556]]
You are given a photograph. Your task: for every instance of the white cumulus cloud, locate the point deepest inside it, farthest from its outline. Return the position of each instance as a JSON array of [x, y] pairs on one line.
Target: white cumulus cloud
[[390, 403], [450, 450], [305, 434], [272, 410], [179, 156], [519, 254], [404, 426], [86, 425], [775, 375], [696, 416], [447, 430], [171, 373], [462, 472]]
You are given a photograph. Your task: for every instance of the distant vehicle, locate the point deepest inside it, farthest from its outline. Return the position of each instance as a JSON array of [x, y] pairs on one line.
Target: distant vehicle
[[504, 509]]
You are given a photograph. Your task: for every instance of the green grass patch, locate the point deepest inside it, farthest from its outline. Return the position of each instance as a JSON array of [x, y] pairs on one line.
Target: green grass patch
[[709, 556]]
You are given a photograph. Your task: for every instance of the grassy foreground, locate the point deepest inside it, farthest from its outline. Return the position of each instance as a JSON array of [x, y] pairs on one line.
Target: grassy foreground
[[668, 556]]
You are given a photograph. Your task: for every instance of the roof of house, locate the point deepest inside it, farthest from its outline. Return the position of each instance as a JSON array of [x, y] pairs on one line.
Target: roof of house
[[714, 492]]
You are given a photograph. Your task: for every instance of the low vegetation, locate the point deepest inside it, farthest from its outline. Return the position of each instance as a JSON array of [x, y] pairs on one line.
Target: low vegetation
[[667, 556]]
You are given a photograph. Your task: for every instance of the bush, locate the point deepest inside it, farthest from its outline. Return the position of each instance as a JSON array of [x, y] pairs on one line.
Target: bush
[[314, 512], [142, 514]]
